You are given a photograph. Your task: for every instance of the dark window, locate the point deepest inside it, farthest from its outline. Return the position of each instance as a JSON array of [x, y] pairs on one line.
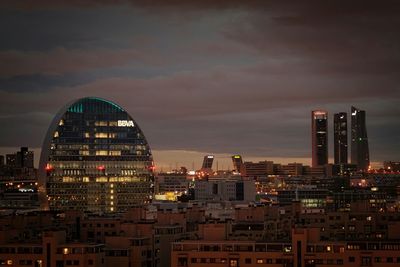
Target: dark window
[[366, 261], [182, 261]]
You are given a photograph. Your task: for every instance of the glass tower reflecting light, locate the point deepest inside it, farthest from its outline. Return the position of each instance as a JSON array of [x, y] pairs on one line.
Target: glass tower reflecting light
[[359, 139], [340, 138], [95, 158]]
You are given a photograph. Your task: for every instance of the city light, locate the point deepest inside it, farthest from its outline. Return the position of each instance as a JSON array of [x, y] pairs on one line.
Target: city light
[[200, 133]]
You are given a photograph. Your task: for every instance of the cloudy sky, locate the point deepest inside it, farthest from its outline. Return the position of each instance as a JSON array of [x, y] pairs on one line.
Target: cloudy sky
[[218, 77]]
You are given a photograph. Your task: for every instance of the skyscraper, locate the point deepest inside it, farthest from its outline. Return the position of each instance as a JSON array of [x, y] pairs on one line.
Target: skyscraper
[[20, 159], [319, 133], [25, 157], [237, 162], [95, 158], [359, 139], [340, 137], [208, 162]]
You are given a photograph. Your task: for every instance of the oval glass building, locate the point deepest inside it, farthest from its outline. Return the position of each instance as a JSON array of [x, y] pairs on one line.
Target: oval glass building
[[95, 158]]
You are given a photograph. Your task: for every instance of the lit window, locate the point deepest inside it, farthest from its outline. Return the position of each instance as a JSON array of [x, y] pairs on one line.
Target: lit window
[[65, 251], [100, 123], [56, 134], [84, 152], [101, 153], [101, 135]]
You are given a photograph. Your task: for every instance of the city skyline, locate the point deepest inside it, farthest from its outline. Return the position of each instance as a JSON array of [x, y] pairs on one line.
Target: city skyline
[[177, 133], [192, 159], [174, 159], [223, 79]]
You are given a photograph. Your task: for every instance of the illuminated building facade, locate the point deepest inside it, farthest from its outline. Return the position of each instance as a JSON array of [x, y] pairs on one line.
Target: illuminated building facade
[[359, 139], [95, 158], [340, 137], [310, 197], [319, 132]]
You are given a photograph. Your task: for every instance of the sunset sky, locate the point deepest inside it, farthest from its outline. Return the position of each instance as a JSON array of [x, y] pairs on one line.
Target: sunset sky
[[219, 77]]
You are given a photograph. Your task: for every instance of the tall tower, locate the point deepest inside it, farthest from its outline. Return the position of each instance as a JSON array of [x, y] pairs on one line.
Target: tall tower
[[208, 162], [319, 135], [237, 162], [359, 139], [95, 158], [340, 137]]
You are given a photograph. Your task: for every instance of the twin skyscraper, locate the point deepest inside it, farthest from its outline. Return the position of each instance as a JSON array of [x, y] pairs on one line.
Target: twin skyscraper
[[359, 139]]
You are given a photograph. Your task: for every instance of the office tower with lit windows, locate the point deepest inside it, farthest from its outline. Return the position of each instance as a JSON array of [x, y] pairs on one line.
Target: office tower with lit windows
[[319, 132], [237, 162], [359, 139], [95, 158], [340, 146]]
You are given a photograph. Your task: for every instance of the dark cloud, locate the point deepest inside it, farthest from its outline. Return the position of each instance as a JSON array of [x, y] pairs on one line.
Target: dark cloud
[[60, 60], [40, 4], [223, 76], [40, 82], [310, 6]]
